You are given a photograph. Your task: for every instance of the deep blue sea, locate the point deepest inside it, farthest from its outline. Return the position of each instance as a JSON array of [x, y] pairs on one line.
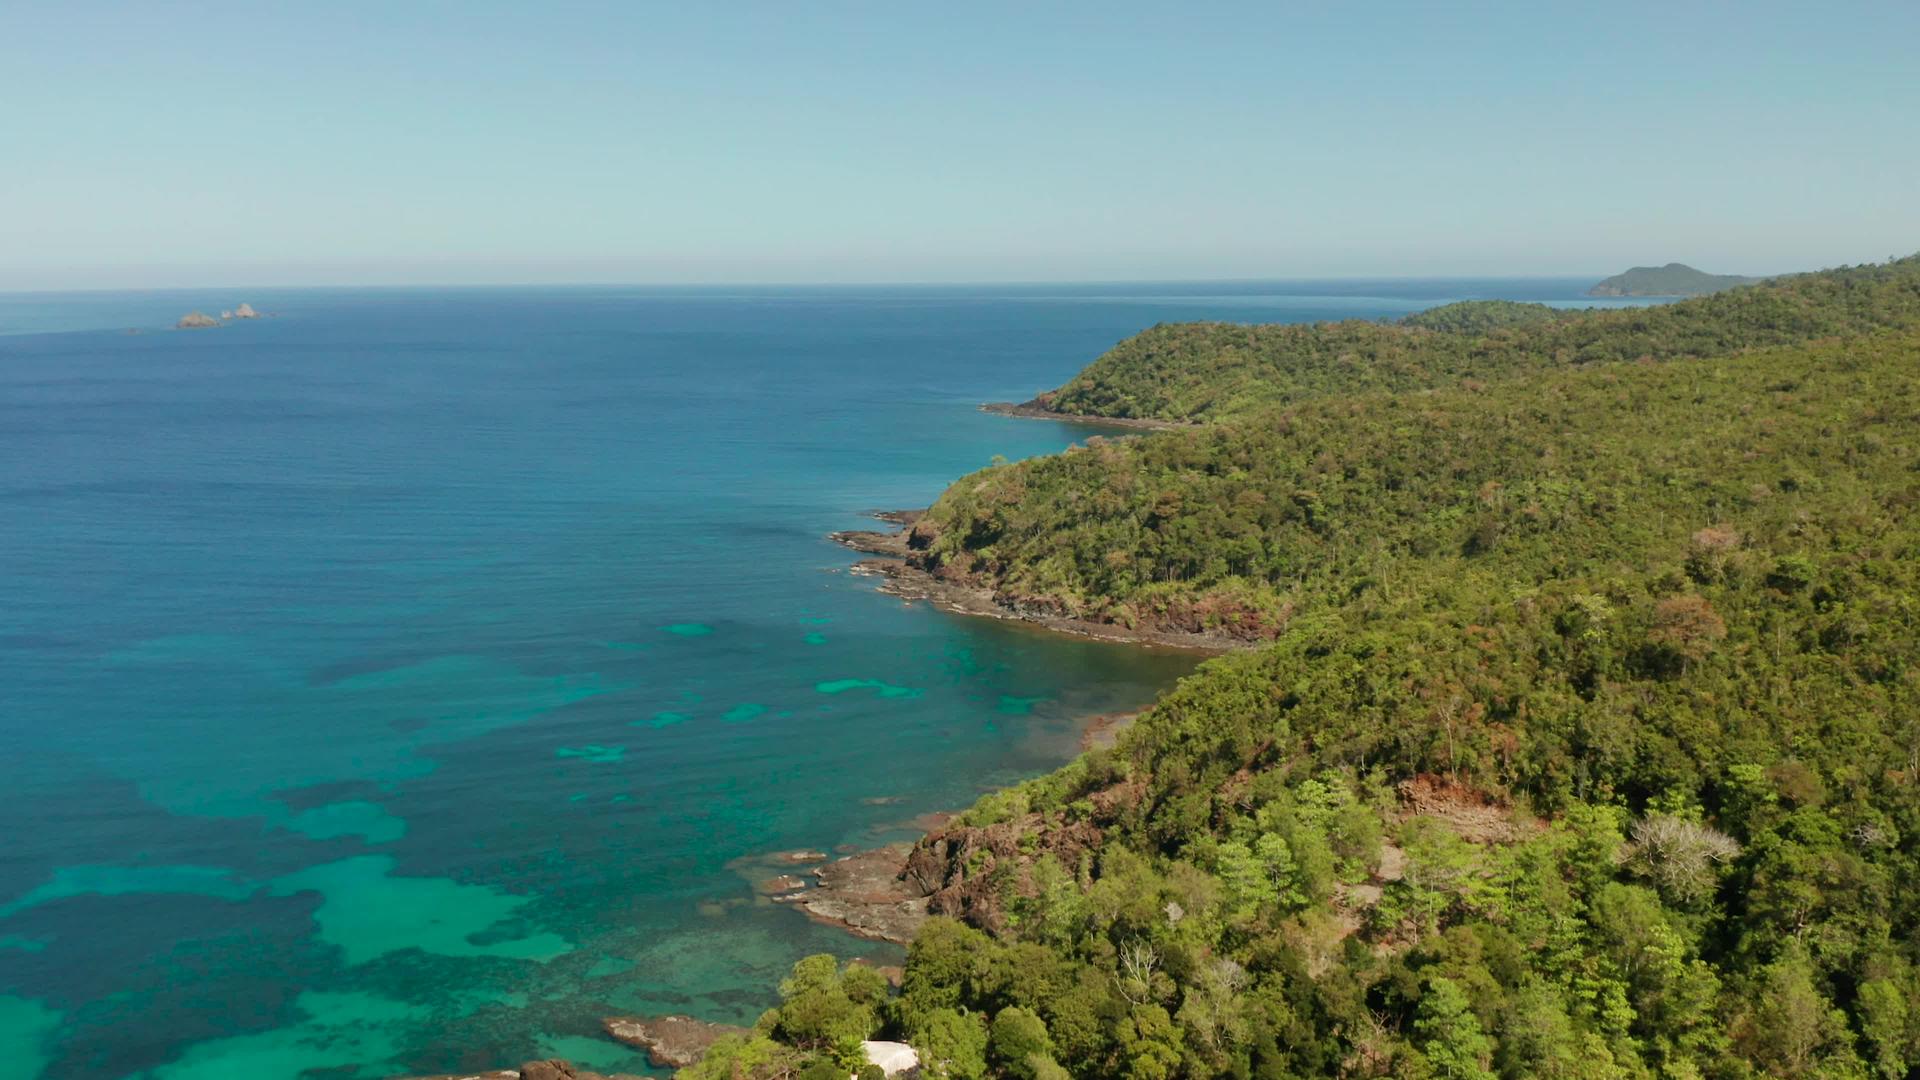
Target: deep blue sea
[[387, 685]]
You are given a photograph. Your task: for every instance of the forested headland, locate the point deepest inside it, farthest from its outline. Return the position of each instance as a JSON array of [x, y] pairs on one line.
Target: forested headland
[[1673, 279], [1206, 371], [1577, 731]]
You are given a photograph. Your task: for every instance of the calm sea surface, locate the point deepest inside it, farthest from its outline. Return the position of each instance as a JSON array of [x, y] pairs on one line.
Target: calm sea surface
[[387, 685]]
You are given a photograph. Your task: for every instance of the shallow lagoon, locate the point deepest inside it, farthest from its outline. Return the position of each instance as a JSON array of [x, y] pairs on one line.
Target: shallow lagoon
[[387, 685]]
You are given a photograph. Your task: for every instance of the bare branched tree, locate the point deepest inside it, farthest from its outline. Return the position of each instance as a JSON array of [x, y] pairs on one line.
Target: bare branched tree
[[1681, 857], [1137, 961]]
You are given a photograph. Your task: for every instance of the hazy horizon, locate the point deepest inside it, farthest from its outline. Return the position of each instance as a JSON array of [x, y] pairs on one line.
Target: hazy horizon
[[849, 283], [696, 273], [179, 145]]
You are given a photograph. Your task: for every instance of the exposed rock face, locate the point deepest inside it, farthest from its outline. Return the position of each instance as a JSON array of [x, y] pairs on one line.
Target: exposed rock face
[[1477, 817], [956, 867], [196, 320], [245, 311], [887, 893], [671, 1042]]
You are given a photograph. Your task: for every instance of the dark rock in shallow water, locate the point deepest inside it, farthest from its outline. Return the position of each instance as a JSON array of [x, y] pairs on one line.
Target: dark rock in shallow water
[[196, 320], [556, 1069], [784, 883], [551, 1069], [671, 1042]]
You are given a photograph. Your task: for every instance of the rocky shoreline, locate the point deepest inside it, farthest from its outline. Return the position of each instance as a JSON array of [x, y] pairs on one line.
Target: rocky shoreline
[[906, 578], [1103, 731], [886, 893], [866, 894], [1037, 410]]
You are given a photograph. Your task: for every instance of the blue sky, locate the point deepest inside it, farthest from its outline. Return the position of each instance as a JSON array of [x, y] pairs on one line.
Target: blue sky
[[314, 143]]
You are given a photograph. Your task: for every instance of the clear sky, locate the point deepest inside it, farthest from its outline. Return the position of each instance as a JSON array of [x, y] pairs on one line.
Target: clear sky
[[154, 143]]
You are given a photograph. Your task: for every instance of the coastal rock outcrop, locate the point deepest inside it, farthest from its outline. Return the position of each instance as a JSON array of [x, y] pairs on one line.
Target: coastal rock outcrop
[[671, 1042], [196, 320], [868, 894], [914, 571], [1041, 408], [245, 311], [964, 869], [887, 893]]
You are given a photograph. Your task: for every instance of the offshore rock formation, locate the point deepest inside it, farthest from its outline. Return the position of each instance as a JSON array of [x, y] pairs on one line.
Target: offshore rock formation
[[200, 320]]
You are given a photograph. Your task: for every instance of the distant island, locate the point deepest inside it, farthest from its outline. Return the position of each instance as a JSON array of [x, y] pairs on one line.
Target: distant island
[[200, 320], [1673, 279]]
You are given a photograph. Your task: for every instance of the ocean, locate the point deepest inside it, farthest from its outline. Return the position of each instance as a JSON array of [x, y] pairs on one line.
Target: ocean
[[404, 681]]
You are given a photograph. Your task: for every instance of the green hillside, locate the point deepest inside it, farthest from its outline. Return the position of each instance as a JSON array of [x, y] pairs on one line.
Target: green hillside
[[1481, 316], [1580, 734], [1205, 371]]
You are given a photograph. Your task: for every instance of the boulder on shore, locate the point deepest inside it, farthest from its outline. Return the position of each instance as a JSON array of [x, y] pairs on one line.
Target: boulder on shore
[[196, 320], [671, 1042]]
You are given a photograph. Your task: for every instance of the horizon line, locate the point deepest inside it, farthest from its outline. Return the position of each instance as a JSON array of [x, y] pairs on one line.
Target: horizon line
[[848, 284]]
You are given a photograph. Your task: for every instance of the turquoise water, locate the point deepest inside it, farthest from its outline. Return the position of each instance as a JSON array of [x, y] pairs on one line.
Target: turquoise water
[[389, 685]]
